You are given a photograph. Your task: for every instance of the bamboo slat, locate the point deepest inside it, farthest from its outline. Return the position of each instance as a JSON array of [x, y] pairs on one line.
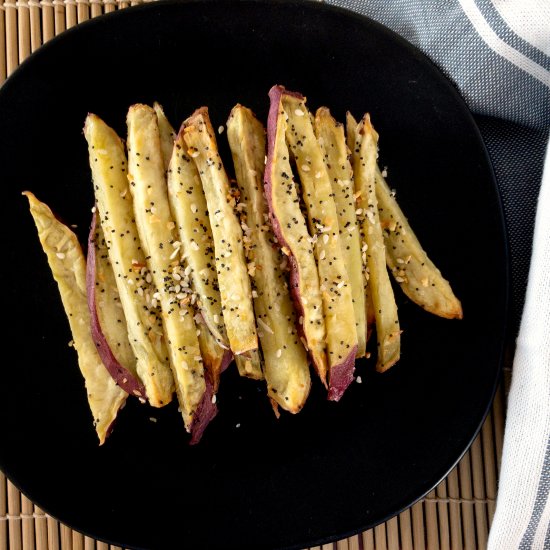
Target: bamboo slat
[[3, 67], [12, 57], [35, 24], [443, 516], [23, 30], [41, 529], [392, 532], [27, 510], [455, 516], [405, 530], [3, 512]]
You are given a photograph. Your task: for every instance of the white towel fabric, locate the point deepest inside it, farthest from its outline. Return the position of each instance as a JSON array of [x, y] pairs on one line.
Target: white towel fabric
[[497, 52], [522, 518]]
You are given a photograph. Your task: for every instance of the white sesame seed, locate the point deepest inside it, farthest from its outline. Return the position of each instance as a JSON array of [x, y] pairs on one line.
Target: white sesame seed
[[279, 353], [322, 254], [94, 209], [60, 255], [184, 365], [254, 294], [216, 319], [305, 168], [194, 208], [359, 380], [340, 284], [237, 425], [265, 326], [400, 279], [220, 129], [214, 399], [317, 175], [152, 419], [299, 112], [195, 154], [195, 246]]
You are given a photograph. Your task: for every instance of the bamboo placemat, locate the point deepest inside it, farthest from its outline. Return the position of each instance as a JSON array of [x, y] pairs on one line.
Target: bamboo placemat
[[455, 516]]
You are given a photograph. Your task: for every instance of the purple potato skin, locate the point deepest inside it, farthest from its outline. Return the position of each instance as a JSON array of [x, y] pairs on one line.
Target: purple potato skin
[[205, 413], [341, 376]]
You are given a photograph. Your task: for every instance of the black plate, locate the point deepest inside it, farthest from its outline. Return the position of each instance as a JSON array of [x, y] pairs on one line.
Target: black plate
[[334, 469]]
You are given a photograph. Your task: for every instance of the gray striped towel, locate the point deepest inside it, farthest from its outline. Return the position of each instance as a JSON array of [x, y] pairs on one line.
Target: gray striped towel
[[497, 52]]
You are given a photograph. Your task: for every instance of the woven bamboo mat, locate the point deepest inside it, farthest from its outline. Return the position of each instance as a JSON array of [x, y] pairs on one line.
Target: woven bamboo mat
[[455, 516]]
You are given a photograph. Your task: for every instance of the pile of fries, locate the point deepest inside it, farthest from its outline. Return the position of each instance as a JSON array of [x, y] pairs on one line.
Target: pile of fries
[[285, 266]]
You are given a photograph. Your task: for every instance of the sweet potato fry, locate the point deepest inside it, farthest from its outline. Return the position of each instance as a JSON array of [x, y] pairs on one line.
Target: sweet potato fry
[[285, 361], [108, 323], [388, 332], [116, 216], [157, 232], [190, 210], [409, 264], [334, 281], [66, 260], [289, 226], [331, 138], [233, 280]]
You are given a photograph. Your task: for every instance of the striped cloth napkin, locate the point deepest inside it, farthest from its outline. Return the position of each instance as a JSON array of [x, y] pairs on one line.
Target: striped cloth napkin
[[497, 52]]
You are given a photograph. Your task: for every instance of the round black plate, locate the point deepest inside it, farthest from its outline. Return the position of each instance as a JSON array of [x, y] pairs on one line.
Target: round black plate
[[334, 469]]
